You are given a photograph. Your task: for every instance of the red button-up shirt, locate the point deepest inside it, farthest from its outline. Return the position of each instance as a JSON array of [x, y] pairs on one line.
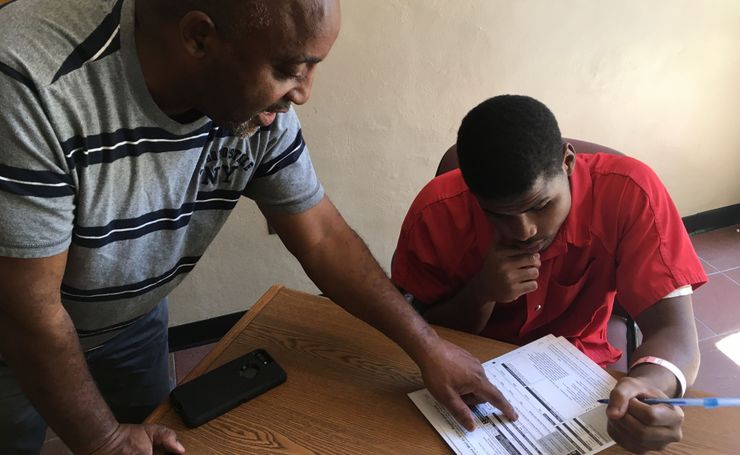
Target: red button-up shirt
[[623, 237]]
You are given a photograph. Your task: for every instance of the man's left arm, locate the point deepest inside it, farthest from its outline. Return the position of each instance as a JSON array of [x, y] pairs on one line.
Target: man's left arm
[[340, 264], [669, 332]]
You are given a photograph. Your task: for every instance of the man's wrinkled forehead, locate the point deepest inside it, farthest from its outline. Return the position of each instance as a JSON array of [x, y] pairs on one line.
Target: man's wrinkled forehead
[[291, 24], [298, 19]]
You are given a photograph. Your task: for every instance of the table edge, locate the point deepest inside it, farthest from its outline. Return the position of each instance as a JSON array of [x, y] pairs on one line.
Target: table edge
[[220, 347]]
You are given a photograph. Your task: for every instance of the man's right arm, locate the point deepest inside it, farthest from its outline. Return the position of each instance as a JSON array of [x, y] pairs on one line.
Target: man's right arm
[[39, 343], [505, 275]]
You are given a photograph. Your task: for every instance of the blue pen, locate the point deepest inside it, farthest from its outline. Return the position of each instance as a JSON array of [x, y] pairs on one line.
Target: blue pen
[[709, 403]]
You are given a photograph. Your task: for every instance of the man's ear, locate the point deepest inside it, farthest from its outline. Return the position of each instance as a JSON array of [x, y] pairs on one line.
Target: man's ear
[[198, 33], [569, 159]]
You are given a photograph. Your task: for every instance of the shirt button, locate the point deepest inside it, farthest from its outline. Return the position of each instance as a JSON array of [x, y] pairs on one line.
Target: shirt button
[[538, 308]]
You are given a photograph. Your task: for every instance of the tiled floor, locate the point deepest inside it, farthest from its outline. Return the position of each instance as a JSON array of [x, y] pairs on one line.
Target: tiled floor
[[717, 309], [716, 306]]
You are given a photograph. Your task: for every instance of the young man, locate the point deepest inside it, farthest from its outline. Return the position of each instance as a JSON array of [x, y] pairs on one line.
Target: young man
[[527, 238], [129, 130]]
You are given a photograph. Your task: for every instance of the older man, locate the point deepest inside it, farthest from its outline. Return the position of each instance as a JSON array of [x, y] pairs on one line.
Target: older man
[[129, 130]]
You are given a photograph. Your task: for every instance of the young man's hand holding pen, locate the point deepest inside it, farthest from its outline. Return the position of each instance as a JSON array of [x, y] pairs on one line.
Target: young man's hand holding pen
[[637, 426]]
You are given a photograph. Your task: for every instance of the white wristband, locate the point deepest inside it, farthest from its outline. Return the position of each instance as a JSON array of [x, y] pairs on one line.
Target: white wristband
[[667, 365]]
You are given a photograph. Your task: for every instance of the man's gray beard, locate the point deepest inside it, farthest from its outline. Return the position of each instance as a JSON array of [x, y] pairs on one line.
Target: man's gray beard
[[243, 130]]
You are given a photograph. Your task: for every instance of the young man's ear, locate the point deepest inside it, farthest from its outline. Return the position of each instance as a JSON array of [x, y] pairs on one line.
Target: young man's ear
[[569, 159]]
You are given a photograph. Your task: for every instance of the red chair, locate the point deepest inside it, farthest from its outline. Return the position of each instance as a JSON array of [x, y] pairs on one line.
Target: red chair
[[622, 330]]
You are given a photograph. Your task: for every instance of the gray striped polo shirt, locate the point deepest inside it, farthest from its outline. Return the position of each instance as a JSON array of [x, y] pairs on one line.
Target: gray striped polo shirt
[[89, 162]]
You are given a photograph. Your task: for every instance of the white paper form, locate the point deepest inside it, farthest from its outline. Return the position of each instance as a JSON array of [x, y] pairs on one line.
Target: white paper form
[[553, 387]]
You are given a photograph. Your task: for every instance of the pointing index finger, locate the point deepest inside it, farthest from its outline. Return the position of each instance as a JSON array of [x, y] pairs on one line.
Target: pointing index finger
[[457, 407], [497, 399]]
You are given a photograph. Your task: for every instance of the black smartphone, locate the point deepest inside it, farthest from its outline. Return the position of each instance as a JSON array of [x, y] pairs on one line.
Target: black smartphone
[[223, 388]]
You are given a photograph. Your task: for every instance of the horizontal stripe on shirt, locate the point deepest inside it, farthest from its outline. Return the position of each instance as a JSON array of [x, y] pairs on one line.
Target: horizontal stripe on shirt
[[109, 147], [26, 182], [96, 44], [286, 158], [14, 74], [166, 219], [112, 328], [132, 290]]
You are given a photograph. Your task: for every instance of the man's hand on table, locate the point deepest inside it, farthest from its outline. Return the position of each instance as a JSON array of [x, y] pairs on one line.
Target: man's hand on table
[[640, 427], [456, 379], [140, 439]]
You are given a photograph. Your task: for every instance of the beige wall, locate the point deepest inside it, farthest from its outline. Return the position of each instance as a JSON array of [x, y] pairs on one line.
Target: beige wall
[[659, 80]]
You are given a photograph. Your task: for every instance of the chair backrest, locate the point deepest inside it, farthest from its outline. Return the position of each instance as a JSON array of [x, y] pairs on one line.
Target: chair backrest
[[449, 159]]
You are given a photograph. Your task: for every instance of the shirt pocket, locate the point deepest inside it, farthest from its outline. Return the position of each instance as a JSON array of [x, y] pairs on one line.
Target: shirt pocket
[[565, 297], [561, 294]]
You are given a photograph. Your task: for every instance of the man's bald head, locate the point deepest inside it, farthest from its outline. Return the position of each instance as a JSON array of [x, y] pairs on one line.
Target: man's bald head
[[240, 62], [239, 18]]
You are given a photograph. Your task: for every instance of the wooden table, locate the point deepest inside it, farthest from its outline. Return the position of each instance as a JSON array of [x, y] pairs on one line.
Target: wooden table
[[346, 390]]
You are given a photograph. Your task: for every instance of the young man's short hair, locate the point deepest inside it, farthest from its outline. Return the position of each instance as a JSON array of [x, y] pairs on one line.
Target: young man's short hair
[[505, 143]]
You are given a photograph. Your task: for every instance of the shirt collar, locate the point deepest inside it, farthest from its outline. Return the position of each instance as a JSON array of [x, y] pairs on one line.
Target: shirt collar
[[576, 228]]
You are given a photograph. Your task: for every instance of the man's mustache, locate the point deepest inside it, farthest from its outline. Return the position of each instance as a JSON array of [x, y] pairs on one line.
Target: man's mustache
[[279, 107]]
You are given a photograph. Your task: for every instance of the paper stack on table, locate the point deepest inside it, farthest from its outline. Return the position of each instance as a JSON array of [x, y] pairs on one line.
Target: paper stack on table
[[553, 387]]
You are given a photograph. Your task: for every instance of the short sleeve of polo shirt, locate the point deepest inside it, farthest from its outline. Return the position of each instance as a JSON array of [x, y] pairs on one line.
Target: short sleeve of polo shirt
[[654, 253], [285, 180], [437, 249], [36, 188]]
